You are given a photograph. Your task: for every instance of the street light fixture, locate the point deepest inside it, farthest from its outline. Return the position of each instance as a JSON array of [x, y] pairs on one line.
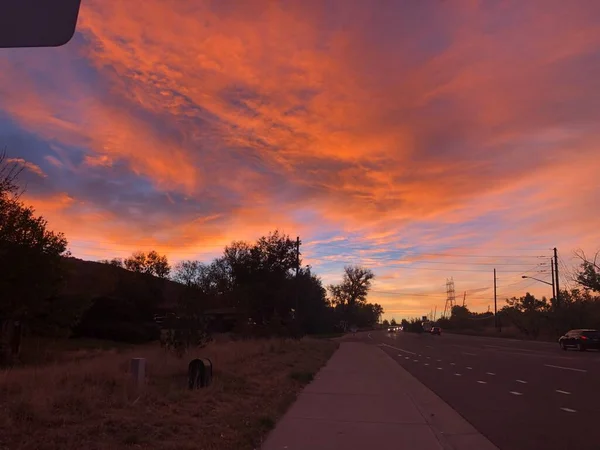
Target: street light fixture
[[536, 279]]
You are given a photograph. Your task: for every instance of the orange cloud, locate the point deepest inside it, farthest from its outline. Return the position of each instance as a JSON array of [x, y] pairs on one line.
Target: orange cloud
[[473, 130]]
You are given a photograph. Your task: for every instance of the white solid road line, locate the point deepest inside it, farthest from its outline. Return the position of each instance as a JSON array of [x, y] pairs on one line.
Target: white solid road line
[[569, 410], [563, 392], [516, 393], [521, 381], [566, 368], [482, 382], [490, 373], [399, 349]]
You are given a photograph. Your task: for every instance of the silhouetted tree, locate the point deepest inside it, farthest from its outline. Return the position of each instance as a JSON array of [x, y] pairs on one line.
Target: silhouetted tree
[[30, 262], [588, 275], [352, 290], [150, 263]]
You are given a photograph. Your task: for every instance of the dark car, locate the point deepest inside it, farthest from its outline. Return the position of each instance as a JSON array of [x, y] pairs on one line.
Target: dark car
[[580, 339], [436, 330]]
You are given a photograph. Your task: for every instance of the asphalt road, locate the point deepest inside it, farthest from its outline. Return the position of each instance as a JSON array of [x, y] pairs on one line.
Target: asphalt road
[[521, 395]]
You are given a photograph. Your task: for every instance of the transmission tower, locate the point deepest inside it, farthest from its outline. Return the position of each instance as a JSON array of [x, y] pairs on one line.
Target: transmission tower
[[450, 297]]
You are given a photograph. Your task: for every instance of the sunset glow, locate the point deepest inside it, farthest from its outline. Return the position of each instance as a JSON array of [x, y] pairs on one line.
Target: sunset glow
[[423, 139]]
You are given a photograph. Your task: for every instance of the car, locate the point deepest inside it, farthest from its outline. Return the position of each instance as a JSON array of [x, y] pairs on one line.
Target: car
[[391, 329], [436, 330], [580, 339]]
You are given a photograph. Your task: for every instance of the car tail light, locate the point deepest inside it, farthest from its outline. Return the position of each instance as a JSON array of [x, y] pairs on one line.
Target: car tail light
[[584, 338]]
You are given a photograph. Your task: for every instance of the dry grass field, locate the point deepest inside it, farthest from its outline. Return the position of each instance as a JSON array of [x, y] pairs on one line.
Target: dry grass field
[[91, 403]]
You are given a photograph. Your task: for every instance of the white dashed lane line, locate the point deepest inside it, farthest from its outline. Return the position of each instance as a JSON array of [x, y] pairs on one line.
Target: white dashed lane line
[[457, 375], [565, 368], [569, 410], [438, 360], [490, 373], [426, 364], [470, 354], [469, 368], [482, 382], [415, 360], [439, 368], [521, 381], [516, 393], [452, 364], [399, 349], [563, 392]]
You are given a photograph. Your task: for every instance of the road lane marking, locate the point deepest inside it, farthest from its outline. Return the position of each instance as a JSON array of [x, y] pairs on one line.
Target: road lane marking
[[469, 368], [470, 354], [516, 393], [399, 349], [458, 374], [426, 364], [563, 392], [415, 360], [569, 410], [452, 364], [510, 348], [429, 357], [428, 346], [490, 373], [521, 381], [439, 360], [439, 368], [406, 357], [566, 368], [482, 382], [370, 337]]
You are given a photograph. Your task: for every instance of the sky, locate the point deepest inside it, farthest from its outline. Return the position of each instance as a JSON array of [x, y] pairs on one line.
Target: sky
[[423, 139]]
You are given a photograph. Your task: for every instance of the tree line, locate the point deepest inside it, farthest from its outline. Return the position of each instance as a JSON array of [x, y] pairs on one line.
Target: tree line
[[534, 317], [268, 283], [264, 281]]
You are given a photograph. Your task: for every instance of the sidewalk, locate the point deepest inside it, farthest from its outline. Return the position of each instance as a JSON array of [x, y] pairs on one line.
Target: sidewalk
[[363, 399]]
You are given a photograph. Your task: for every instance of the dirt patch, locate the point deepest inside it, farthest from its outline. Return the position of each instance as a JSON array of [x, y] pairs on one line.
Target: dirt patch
[[92, 403]]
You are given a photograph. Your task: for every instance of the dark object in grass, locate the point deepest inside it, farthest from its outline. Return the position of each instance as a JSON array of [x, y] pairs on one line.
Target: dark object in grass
[[199, 373]]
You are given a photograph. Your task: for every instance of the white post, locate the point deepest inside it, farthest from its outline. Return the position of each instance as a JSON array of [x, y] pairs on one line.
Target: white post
[[138, 370]]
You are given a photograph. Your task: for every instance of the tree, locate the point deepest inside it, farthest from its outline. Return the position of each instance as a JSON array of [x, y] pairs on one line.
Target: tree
[[588, 275], [354, 287], [149, 263], [393, 322], [117, 262], [30, 262], [385, 323], [190, 273], [527, 313]]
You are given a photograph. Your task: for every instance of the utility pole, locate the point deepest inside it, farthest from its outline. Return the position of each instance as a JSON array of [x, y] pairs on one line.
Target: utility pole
[[495, 303], [297, 272], [434, 313], [464, 298], [556, 278], [553, 288]]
